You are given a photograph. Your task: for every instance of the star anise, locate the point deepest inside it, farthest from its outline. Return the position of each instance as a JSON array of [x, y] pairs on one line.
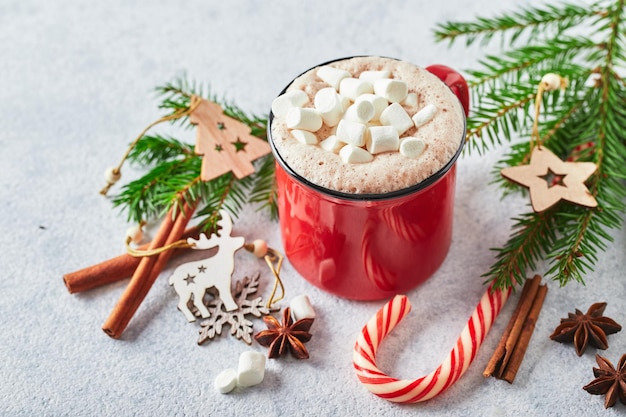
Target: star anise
[[288, 336], [590, 328], [609, 381]]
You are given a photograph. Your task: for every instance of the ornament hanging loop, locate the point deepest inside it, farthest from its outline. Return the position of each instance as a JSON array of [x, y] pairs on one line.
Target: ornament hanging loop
[[113, 174], [549, 82], [274, 260]]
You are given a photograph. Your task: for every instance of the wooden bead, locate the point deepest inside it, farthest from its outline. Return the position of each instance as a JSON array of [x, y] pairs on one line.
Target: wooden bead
[[112, 175]]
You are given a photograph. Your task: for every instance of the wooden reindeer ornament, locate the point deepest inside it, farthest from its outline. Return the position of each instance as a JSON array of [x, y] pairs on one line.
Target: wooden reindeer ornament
[[226, 143], [191, 280]]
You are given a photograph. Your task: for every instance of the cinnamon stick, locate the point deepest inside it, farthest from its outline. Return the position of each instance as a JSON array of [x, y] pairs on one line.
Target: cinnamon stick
[[146, 273], [112, 270], [529, 327], [499, 362]]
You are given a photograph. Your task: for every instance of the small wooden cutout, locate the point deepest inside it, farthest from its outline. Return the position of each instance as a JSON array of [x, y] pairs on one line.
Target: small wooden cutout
[[543, 194], [192, 279], [226, 143]]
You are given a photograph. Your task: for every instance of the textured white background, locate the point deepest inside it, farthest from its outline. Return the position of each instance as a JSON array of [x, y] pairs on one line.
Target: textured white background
[[76, 82]]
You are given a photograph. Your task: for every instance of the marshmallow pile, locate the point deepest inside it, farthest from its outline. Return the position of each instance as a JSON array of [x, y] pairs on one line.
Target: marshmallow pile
[[366, 115]]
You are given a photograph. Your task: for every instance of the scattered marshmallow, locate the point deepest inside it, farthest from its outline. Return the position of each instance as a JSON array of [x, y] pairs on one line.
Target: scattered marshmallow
[[412, 147], [283, 103], [301, 308], [354, 155], [382, 139], [354, 87], [372, 76], [332, 144], [361, 112], [425, 115], [329, 105], [332, 76], [410, 100], [304, 136], [351, 132], [395, 115], [251, 369], [380, 103], [305, 119], [393, 90], [226, 381]]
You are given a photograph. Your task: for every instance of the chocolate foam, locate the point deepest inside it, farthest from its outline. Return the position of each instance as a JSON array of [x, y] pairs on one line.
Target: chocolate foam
[[388, 172]]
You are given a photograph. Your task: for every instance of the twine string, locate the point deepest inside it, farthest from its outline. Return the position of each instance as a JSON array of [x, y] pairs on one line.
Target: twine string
[[273, 259], [186, 111]]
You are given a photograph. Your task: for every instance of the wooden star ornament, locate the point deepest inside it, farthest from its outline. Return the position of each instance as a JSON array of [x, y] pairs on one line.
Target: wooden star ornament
[[225, 143], [544, 193]]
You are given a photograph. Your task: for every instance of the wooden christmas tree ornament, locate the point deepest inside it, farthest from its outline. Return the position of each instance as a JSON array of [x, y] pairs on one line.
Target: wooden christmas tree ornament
[[226, 143]]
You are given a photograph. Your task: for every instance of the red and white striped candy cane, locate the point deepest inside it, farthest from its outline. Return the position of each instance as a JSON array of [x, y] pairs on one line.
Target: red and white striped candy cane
[[450, 370]]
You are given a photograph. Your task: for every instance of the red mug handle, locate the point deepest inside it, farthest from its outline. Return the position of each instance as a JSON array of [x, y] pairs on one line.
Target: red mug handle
[[455, 81]]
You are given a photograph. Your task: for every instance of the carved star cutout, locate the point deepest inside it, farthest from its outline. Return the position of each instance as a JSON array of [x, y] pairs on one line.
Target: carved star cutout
[[543, 195], [239, 145], [219, 148], [201, 268], [221, 126], [190, 279]]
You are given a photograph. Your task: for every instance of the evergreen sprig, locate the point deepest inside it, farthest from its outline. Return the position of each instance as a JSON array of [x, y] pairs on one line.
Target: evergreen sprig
[[586, 44], [173, 168]]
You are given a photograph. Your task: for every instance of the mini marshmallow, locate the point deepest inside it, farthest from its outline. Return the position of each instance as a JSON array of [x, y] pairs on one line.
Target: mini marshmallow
[[351, 132], [354, 155], [380, 103], [345, 102], [305, 119], [361, 112], [226, 381], [412, 147], [304, 136], [372, 76], [354, 87], [410, 100], [395, 115], [332, 76], [393, 90], [301, 308], [283, 103], [332, 144], [251, 369], [329, 105], [383, 139], [425, 115]]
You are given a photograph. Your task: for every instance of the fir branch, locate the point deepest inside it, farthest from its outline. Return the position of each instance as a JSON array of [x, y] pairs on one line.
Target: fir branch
[[534, 21], [585, 123], [532, 236], [263, 191], [153, 194], [527, 62], [174, 168], [153, 149]]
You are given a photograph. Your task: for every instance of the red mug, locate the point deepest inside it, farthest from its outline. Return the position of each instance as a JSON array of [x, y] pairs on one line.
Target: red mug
[[374, 246]]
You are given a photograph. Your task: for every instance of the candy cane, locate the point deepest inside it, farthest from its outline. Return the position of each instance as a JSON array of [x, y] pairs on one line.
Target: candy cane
[[450, 370]]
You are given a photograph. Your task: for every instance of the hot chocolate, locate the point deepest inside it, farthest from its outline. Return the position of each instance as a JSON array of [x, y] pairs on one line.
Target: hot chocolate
[[367, 125]]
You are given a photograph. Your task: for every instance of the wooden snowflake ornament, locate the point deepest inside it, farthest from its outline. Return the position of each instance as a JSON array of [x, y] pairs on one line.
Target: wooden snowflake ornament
[[226, 143], [545, 193]]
